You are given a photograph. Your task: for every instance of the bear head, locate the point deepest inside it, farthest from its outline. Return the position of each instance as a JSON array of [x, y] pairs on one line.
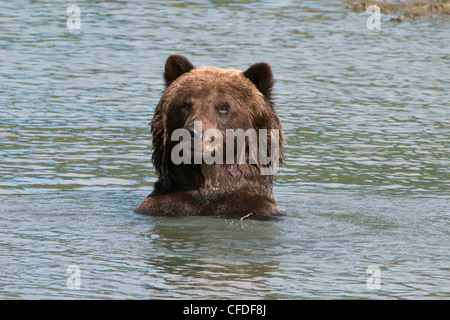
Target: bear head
[[218, 99]]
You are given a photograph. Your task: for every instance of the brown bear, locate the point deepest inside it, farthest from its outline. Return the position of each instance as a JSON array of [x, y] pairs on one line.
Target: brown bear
[[210, 101]]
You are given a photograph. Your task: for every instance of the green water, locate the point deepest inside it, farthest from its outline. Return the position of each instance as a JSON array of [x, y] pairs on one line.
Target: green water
[[365, 182]]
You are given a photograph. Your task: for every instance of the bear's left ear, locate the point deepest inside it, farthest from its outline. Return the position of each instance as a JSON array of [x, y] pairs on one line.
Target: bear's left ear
[[261, 76], [175, 66]]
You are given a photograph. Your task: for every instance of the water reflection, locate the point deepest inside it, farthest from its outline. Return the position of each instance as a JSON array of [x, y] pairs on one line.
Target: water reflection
[[212, 255]]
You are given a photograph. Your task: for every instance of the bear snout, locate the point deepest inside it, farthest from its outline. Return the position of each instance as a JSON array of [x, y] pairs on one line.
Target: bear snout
[[194, 130]]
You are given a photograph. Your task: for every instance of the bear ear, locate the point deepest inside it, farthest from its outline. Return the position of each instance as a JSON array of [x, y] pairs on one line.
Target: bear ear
[[175, 66], [261, 76]]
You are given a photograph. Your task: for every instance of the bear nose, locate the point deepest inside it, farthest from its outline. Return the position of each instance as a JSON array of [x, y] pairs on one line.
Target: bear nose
[[193, 130]]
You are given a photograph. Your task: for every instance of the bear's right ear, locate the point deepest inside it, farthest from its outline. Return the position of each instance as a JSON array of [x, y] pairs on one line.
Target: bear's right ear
[[175, 66]]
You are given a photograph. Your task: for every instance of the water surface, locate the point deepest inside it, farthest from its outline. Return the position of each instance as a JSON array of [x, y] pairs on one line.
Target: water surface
[[365, 182]]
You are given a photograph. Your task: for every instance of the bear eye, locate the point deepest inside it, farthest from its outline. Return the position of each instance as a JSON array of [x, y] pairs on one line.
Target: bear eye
[[224, 108], [186, 106]]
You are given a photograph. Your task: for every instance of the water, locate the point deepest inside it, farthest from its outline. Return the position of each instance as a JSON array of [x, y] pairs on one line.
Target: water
[[366, 180]]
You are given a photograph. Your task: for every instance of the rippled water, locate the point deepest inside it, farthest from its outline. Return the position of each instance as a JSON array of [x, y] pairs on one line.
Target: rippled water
[[366, 180]]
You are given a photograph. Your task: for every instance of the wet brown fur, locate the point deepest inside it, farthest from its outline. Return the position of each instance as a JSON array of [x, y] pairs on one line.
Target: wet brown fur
[[233, 190]]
